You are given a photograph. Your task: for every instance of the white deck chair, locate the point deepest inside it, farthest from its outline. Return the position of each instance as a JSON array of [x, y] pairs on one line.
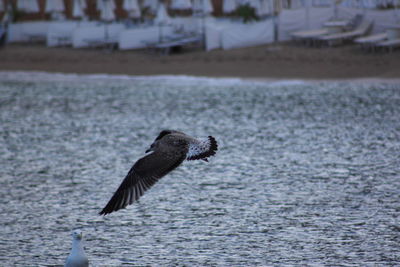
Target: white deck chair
[[369, 42], [389, 44], [308, 36], [309, 33], [371, 38], [337, 38]]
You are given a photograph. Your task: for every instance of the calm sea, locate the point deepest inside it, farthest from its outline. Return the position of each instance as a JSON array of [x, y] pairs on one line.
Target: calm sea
[[306, 174]]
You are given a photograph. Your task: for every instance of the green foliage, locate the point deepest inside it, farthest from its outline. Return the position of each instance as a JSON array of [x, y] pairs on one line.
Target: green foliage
[[247, 13]]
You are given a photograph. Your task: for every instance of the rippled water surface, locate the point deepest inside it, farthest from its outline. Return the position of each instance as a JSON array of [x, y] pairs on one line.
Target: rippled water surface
[[306, 174]]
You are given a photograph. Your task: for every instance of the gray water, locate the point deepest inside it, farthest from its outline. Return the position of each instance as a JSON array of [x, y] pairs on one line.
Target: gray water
[[306, 174]]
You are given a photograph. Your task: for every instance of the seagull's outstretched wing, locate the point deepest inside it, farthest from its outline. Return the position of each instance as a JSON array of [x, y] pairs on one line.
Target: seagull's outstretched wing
[[143, 174]]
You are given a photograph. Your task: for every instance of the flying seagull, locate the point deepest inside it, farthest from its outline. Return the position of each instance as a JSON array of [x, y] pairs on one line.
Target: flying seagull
[[168, 151], [77, 257]]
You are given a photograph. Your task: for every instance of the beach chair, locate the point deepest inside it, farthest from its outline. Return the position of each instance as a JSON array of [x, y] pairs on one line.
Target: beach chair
[[389, 45], [369, 42], [337, 38], [177, 41], [308, 36]]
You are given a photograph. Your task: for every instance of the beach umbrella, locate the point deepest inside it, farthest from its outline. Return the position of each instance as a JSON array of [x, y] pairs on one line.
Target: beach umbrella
[[207, 7], [54, 6], [107, 14], [181, 4], [196, 6], [151, 4], [106, 9], [29, 6], [162, 18], [265, 8], [78, 7], [229, 6], [277, 7], [101, 4], [203, 6], [132, 7]]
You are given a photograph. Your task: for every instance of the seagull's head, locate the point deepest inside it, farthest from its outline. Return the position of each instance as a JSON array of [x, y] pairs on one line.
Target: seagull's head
[[152, 147], [77, 234], [159, 137]]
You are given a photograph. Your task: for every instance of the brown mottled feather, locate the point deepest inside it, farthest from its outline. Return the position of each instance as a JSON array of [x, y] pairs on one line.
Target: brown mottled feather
[[144, 174], [170, 149]]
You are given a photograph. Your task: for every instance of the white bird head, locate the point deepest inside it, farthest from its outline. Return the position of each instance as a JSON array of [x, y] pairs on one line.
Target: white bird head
[[77, 234]]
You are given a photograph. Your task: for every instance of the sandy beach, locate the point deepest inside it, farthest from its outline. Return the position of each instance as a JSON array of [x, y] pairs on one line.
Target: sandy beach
[[275, 61]]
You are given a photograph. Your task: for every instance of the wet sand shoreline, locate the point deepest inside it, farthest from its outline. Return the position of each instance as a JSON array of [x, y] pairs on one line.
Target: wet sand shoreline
[[276, 61]]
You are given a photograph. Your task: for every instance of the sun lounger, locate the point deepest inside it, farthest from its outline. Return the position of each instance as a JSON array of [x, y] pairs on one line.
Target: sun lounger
[[62, 40], [108, 44], [309, 35], [389, 44], [370, 41], [33, 38], [331, 27], [166, 46], [337, 38]]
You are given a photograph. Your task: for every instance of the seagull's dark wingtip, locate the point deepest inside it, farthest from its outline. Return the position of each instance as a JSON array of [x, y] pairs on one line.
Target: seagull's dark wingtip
[[104, 212], [213, 145]]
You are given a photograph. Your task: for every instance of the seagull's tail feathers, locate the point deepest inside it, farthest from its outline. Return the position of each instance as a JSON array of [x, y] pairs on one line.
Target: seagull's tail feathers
[[202, 150]]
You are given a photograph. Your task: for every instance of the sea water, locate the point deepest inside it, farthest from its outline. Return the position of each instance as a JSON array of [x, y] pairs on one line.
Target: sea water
[[307, 173]]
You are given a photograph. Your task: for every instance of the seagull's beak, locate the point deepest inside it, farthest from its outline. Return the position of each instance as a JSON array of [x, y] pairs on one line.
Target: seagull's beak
[[77, 235], [150, 148]]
